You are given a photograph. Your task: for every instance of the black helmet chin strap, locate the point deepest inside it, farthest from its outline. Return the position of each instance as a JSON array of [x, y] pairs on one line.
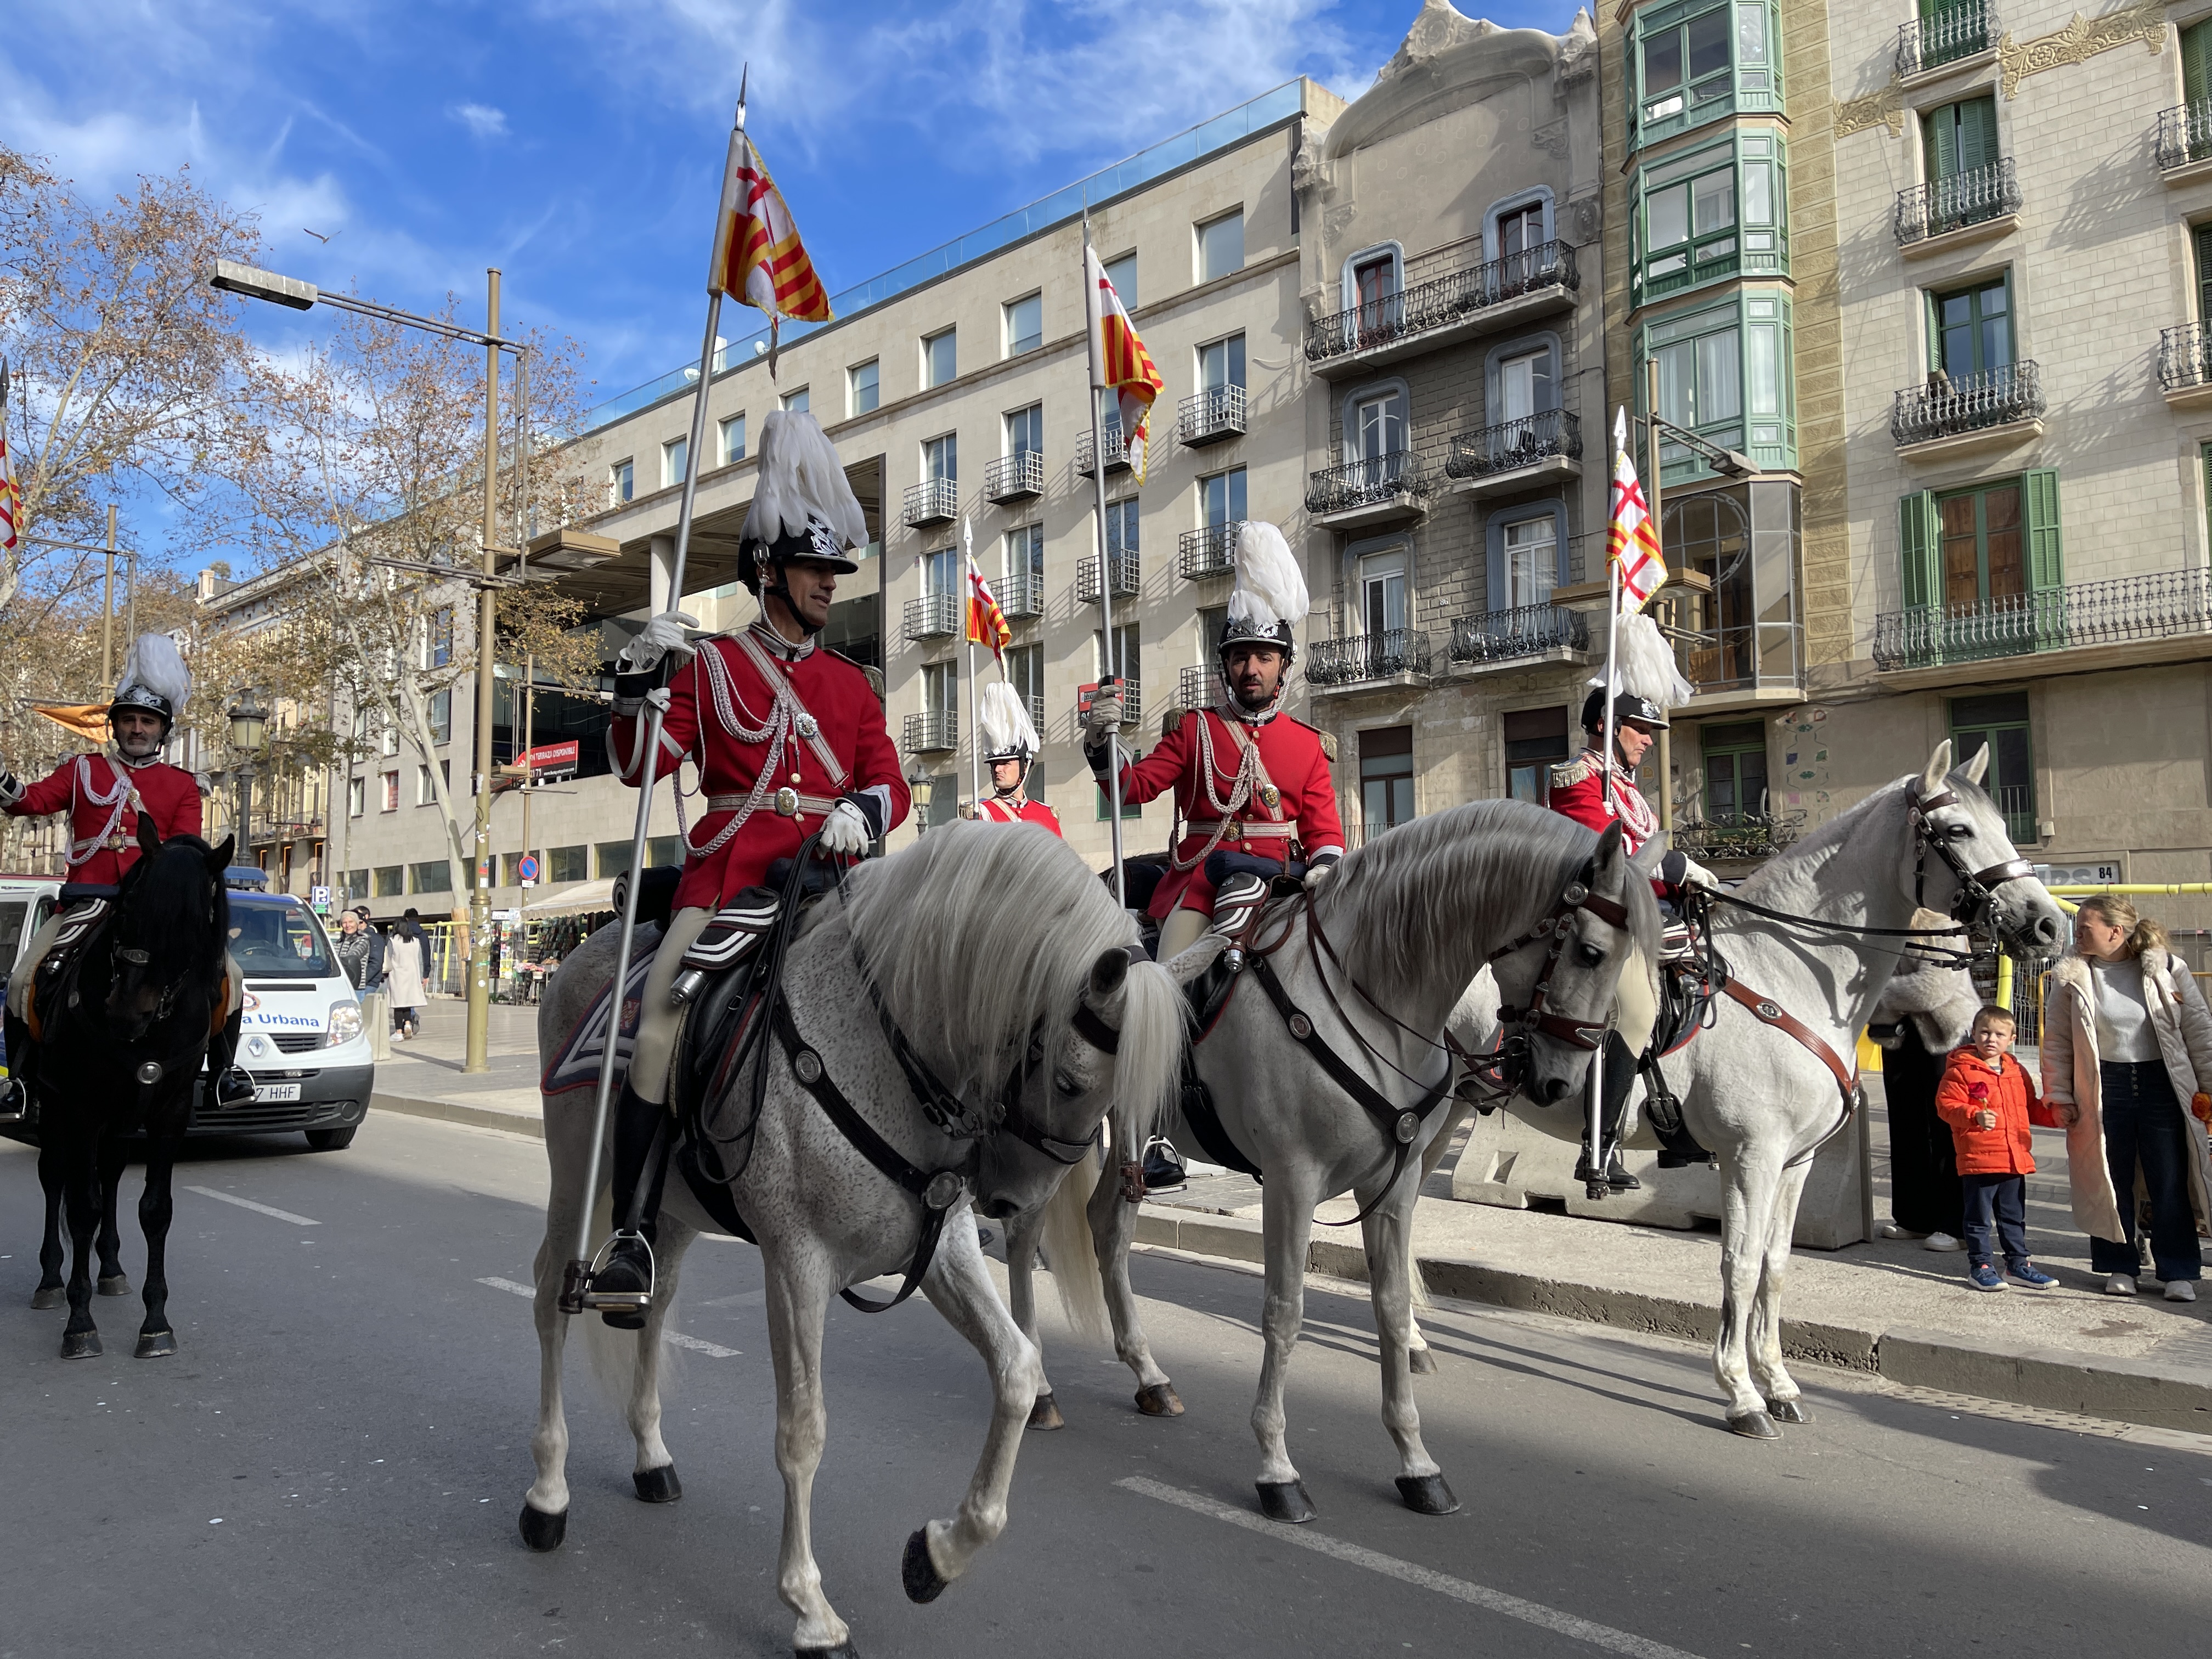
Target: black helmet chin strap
[[781, 590]]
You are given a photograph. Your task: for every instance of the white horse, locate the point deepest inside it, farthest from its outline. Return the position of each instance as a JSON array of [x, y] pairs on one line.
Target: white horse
[[1009, 970], [1757, 1096], [1410, 917]]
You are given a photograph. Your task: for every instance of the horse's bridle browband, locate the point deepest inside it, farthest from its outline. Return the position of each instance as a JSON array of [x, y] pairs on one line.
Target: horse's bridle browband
[[1535, 1016], [1977, 894]]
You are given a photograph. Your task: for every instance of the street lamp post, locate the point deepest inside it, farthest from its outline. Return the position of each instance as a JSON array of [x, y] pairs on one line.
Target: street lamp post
[[234, 278], [249, 732], [919, 790]]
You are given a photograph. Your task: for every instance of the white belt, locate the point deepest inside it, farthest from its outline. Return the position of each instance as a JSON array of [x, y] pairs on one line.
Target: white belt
[[786, 802], [1239, 829]]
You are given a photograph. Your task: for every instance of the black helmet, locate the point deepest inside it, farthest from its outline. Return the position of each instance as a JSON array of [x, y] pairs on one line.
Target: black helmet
[[147, 701], [819, 544], [1243, 630], [1626, 707]]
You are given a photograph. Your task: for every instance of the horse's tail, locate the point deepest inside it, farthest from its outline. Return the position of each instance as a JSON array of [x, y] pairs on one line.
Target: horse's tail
[[1065, 1235]]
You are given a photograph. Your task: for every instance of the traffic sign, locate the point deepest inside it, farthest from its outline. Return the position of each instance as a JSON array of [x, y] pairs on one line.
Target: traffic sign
[[526, 870], [318, 900]]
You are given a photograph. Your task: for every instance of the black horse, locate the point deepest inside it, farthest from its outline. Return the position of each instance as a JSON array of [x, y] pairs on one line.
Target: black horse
[[124, 1026]]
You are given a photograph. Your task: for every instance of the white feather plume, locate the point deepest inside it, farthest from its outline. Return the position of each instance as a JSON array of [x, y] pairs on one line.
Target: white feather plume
[[1644, 663], [801, 473], [156, 664], [1270, 587], [1005, 719]]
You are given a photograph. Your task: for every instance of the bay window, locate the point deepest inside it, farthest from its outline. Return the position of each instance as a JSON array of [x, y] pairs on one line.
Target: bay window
[[1725, 373], [1699, 60], [1715, 213]]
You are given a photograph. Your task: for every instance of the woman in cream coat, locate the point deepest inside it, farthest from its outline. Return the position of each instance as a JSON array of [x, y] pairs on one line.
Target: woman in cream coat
[[2127, 1053]]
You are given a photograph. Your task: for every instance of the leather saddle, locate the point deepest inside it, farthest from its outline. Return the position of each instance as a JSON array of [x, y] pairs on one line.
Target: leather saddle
[[52, 983]]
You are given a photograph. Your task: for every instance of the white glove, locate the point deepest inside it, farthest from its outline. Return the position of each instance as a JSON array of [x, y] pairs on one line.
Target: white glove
[[1695, 874], [1317, 872], [844, 832], [11, 786], [662, 635], [1105, 716]]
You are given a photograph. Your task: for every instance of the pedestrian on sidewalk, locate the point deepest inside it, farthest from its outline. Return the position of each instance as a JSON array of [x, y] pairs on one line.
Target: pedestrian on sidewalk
[[1987, 1099], [353, 948], [2127, 1062], [1927, 1011], [406, 962]]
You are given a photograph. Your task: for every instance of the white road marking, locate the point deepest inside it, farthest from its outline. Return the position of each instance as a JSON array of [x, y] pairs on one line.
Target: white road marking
[[1530, 1613], [712, 1350], [261, 1209]]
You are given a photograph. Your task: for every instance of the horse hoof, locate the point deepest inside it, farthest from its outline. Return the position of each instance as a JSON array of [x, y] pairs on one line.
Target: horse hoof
[[1422, 1362], [544, 1532], [1788, 1411], [82, 1345], [47, 1296], [918, 1573], [658, 1485], [1285, 1500], [155, 1345], [1159, 1400], [119, 1286], [1754, 1425], [1427, 1494], [1044, 1412]]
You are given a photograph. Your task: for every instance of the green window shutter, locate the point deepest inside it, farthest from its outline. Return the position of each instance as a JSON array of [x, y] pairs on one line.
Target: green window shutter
[[2203, 238], [1977, 133], [1916, 550], [2196, 60], [1941, 133], [2046, 566]]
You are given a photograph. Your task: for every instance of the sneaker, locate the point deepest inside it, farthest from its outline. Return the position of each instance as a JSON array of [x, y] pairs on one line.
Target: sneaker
[[2180, 1290], [1941, 1241], [1985, 1278], [2027, 1274], [1892, 1230], [2120, 1285]]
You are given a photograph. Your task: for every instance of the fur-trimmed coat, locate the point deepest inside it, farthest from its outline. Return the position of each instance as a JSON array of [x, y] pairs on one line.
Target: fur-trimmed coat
[[1939, 1001], [2183, 1026]]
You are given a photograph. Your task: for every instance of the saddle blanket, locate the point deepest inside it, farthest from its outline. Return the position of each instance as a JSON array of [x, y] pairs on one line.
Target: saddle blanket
[[577, 1064]]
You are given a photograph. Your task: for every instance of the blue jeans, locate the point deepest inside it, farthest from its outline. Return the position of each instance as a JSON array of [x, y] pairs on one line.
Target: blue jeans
[[2000, 1198], [2144, 1124]]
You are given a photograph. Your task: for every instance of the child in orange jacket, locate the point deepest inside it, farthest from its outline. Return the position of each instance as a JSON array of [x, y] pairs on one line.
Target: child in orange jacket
[[1988, 1101]]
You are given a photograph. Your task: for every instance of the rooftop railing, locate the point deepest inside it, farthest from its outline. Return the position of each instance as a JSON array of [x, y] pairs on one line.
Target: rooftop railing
[[1949, 406], [1982, 193], [1441, 302], [2156, 605]]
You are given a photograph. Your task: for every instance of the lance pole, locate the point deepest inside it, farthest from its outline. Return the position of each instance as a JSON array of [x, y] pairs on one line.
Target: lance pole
[[1594, 1187], [1094, 311]]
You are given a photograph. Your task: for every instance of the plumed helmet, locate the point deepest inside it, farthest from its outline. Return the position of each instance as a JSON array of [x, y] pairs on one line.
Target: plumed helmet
[[803, 504], [1626, 707], [1007, 732], [155, 679], [1646, 680], [1269, 598]]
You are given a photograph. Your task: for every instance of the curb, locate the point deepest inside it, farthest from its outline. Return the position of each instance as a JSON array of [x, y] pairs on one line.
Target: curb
[[2158, 1394], [453, 1111]]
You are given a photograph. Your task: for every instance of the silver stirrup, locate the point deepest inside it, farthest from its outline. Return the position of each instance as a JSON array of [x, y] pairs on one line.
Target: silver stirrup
[[634, 1301]]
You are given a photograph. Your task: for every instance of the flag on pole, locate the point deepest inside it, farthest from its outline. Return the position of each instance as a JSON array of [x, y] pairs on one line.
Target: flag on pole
[[11, 497], [1119, 362], [88, 721], [1632, 540], [987, 624], [758, 256]]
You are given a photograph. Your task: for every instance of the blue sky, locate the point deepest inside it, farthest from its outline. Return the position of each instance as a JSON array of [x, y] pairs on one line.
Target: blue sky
[[575, 143]]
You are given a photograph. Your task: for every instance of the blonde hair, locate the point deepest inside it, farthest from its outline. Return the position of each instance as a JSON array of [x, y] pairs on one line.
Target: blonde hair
[[1991, 1014], [2144, 935]]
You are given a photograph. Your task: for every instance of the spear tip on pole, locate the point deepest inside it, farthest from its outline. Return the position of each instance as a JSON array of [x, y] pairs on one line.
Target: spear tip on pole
[[744, 79]]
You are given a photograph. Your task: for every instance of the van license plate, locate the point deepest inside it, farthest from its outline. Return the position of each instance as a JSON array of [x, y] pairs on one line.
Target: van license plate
[[275, 1091]]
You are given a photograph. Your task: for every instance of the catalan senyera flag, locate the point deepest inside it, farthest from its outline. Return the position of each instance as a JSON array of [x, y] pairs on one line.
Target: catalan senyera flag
[[758, 256], [1632, 540], [1119, 362], [987, 624]]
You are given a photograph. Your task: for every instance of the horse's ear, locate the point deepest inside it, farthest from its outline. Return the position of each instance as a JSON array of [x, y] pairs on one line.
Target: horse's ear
[[1939, 767], [1607, 862], [149, 838], [1979, 766], [218, 859], [1108, 971]]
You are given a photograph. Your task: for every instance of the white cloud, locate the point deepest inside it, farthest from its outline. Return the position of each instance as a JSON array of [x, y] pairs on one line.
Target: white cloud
[[482, 119]]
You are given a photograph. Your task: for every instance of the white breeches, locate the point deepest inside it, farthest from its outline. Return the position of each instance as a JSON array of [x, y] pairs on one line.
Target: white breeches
[[659, 1019]]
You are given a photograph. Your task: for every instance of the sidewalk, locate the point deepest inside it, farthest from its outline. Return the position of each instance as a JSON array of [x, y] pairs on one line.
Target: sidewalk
[[1890, 1308]]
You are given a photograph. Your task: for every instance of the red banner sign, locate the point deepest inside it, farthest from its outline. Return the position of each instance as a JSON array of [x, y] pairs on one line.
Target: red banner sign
[[550, 757]]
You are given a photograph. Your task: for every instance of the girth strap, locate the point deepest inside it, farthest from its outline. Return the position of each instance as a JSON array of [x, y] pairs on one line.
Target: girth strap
[[1768, 1012]]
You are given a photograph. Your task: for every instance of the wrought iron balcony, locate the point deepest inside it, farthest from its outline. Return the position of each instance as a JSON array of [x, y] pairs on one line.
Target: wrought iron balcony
[[1971, 197], [1021, 593], [1957, 30], [1109, 437], [1209, 551], [1513, 445], [1529, 630], [934, 731], [1194, 685], [1737, 836], [1442, 301], [2185, 357], [932, 616], [2184, 134], [2159, 605], [1375, 482], [1947, 406], [1211, 416], [1015, 478], [934, 501], [1125, 573], [1359, 657]]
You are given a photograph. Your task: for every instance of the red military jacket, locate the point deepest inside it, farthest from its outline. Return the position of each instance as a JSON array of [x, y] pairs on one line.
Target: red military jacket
[[993, 810], [723, 714], [103, 795], [1578, 790], [1297, 767]]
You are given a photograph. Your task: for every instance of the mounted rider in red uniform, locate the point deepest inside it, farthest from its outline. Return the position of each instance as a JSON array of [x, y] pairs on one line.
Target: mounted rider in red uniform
[[1010, 749], [788, 740], [104, 794], [1246, 777]]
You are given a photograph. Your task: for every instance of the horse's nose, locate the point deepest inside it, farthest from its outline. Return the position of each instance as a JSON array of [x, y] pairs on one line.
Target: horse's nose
[[2048, 930], [1557, 1089]]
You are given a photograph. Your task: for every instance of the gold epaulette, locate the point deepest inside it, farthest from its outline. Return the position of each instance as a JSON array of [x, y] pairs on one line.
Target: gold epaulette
[[1569, 773]]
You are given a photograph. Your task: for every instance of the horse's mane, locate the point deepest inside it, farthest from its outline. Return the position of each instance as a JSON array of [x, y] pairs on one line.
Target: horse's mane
[[166, 896], [1409, 888], [980, 933]]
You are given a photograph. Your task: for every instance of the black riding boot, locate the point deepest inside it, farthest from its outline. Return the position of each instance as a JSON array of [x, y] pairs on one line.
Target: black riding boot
[[16, 1092], [641, 1168], [1619, 1078], [233, 1084]]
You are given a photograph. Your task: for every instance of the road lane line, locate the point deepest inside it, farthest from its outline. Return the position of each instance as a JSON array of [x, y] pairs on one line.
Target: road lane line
[[260, 1209], [712, 1350], [1512, 1606]]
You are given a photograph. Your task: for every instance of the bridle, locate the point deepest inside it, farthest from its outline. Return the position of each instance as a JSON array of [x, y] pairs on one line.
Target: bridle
[[1522, 1024], [1974, 904]]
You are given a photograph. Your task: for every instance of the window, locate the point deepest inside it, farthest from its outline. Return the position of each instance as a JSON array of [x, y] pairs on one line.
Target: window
[[1535, 741], [1725, 373], [1372, 284], [1701, 380], [612, 857], [863, 387], [1743, 539], [1221, 498], [1520, 228], [1377, 426], [2001, 722], [1121, 528], [438, 640], [1025, 324], [1970, 329], [390, 880], [1735, 773], [390, 792], [354, 883], [441, 716], [620, 484], [1531, 553], [388, 740], [1025, 430], [1381, 592], [357, 797], [1125, 659], [1696, 61], [1981, 545], [855, 629], [1212, 620], [733, 440], [425, 794], [510, 865], [941, 572], [1524, 385], [1222, 363], [1959, 138], [431, 876], [568, 863], [1122, 273], [940, 458], [1386, 779], [798, 401], [940, 688], [1221, 246], [1025, 555], [940, 357], [663, 851], [675, 458], [1026, 674], [1711, 214]]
